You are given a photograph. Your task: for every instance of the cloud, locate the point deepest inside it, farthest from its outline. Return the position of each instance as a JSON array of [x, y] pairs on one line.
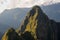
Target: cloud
[[8, 4]]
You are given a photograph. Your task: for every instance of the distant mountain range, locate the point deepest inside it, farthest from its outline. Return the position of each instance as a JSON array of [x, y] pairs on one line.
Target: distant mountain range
[[12, 18], [1, 34], [53, 11]]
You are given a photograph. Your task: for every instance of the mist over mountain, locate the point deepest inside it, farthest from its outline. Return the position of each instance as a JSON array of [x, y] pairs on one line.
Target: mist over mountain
[[53, 11], [11, 18], [3, 27]]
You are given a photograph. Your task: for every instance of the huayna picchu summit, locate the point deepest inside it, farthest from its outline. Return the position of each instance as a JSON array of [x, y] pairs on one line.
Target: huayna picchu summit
[[36, 26]]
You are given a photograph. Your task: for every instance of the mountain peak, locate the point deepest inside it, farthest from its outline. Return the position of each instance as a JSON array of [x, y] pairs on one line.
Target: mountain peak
[[36, 9], [34, 21], [36, 6]]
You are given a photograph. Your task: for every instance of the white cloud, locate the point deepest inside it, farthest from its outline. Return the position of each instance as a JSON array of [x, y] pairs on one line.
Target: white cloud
[[8, 4]]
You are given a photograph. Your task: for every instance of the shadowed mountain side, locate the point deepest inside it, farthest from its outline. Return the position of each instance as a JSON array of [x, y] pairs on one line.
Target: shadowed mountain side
[[27, 36], [39, 25], [58, 25], [11, 35]]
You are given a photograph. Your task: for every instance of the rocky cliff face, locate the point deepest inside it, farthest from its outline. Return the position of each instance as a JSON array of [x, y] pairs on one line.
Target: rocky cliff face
[[36, 26], [35, 22], [10, 35]]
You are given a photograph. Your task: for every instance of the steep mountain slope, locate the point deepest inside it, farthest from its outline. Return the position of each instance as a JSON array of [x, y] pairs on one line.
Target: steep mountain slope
[[11, 35], [38, 24]]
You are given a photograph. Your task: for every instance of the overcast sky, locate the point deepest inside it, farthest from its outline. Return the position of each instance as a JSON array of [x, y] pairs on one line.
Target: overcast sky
[[8, 4]]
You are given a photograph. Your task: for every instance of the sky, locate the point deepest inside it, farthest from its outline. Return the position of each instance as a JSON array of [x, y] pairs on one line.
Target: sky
[[9, 4]]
